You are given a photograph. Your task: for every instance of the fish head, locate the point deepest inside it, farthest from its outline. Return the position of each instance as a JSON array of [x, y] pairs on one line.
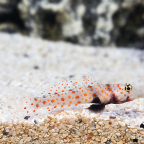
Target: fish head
[[131, 92], [124, 93]]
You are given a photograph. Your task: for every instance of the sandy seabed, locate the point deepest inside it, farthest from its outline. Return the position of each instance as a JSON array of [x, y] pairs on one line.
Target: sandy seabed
[[27, 65]]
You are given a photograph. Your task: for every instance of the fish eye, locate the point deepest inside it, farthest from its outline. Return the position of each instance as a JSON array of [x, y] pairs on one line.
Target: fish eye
[[128, 87]]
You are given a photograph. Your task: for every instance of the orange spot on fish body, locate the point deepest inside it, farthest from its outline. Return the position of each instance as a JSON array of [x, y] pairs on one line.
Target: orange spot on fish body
[[85, 99], [73, 92], [62, 99], [52, 101], [37, 105], [44, 102], [55, 106], [85, 94], [77, 97]]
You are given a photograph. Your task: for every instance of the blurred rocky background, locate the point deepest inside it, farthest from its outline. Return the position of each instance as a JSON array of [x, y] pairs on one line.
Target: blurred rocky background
[[86, 22]]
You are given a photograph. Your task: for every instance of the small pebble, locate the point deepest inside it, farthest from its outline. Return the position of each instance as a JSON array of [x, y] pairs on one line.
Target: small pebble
[[26, 55], [36, 67], [80, 120], [35, 121], [71, 76], [73, 131], [112, 117], [108, 142], [142, 125], [26, 117], [5, 133], [135, 140]]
